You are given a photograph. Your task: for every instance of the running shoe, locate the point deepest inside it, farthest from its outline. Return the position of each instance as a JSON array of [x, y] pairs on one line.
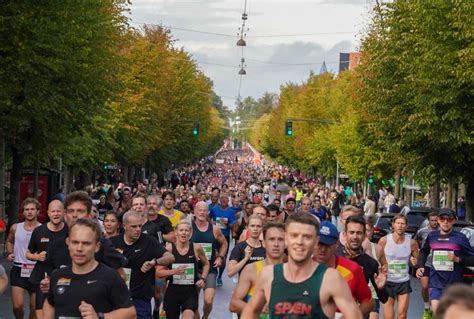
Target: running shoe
[[219, 282], [427, 313]]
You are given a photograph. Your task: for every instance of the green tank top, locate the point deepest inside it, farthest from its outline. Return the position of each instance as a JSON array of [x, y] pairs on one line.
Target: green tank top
[[296, 300]]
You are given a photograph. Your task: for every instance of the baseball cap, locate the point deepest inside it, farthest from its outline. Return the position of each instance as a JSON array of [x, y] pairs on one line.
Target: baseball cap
[[328, 233], [289, 198], [446, 212]]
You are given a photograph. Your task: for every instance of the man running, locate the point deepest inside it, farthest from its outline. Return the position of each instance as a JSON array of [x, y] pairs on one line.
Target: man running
[[301, 288], [143, 253], [274, 238], [16, 246], [209, 236], [87, 288], [396, 251], [169, 201], [421, 235], [325, 253], [42, 236], [451, 250]]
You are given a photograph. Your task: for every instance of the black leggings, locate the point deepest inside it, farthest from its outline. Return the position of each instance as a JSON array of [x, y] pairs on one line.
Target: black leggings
[[180, 298]]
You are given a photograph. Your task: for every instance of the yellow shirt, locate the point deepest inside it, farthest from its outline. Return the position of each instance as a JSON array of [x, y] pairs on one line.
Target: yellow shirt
[[178, 215]]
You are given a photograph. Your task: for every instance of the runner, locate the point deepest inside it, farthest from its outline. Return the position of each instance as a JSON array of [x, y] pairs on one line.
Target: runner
[[301, 288], [421, 236], [258, 210], [375, 276], [248, 251], [16, 246], [111, 224], [41, 237], [395, 252], [208, 236], [223, 217], [274, 239], [183, 278], [325, 253], [451, 250], [169, 201], [347, 211], [143, 252], [3, 280], [87, 288]]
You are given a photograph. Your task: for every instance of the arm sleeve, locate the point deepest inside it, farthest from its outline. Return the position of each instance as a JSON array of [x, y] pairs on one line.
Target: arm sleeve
[[52, 287], [232, 219], [424, 252], [167, 227], [32, 245], [466, 253], [159, 248]]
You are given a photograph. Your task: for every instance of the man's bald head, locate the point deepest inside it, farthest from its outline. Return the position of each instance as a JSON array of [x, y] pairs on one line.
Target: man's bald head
[[55, 203], [201, 205], [56, 211]]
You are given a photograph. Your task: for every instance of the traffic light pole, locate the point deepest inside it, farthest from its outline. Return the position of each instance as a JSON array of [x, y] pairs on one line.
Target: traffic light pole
[[310, 120]]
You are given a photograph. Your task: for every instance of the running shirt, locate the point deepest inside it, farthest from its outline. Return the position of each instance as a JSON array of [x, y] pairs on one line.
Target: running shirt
[[444, 272], [258, 267], [218, 215], [158, 227], [353, 275], [189, 260], [207, 240], [296, 300], [41, 237], [102, 288], [238, 253], [22, 240], [144, 249], [398, 257], [177, 216]]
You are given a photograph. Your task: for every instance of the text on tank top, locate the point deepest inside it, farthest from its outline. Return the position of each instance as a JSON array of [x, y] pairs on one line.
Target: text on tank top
[[296, 300], [189, 259], [207, 240], [398, 257]]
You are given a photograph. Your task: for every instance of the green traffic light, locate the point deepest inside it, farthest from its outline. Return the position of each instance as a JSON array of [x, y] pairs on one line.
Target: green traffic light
[[371, 180], [289, 132]]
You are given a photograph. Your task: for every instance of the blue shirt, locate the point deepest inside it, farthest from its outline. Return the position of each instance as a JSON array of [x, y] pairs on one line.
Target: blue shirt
[[454, 241], [217, 214]]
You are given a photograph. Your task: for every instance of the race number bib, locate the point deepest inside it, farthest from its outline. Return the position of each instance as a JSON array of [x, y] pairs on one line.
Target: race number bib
[[187, 278], [221, 222], [207, 247], [441, 261], [128, 275], [26, 270], [397, 268]]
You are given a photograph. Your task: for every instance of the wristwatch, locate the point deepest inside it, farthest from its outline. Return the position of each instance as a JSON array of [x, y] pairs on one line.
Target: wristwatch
[[204, 279], [100, 315]]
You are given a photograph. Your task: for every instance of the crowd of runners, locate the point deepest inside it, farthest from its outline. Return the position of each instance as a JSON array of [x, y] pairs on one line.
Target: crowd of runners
[[299, 250]]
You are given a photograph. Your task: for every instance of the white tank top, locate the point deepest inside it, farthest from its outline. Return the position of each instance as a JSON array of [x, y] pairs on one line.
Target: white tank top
[[398, 257], [22, 239]]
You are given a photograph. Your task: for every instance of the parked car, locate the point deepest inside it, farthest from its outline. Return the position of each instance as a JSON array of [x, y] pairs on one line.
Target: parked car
[[382, 225], [417, 218]]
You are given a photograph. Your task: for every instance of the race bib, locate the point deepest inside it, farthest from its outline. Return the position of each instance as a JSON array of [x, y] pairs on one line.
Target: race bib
[[26, 270], [207, 247], [397, 268], [220, 221], [128, 275], [187, 278], [441, 261]]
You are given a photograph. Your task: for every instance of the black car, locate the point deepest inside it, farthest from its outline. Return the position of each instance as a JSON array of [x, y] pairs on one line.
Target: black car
[[382, 226], [417, 218]]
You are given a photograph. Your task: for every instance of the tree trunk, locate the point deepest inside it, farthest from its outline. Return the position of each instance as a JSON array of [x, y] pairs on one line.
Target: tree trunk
[[396, 191], [68, 179], [35, 178], [15, 179], [449, 195], [2, 177], [131, 174], [469, 198], [125, 174], [434, 194]]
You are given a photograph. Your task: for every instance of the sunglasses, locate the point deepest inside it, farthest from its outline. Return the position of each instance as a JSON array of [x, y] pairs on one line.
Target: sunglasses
[[443, 219]]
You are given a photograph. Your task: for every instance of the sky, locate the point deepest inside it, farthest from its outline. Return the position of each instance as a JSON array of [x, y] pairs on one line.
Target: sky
[[286, 40]]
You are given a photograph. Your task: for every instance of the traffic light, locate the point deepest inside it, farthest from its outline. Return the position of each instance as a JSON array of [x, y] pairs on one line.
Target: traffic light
[[196, 128], [370, 180], [402, 179], [105, 167], [289, 128]]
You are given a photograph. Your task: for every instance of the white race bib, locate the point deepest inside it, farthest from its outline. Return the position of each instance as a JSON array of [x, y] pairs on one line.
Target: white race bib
[[397, 268], [128, 275], [220, 221], [207, 247], [26, 270], [187, 278], [441, 261]]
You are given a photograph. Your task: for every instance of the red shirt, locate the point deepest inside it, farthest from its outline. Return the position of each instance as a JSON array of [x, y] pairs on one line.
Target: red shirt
[[353, 275]]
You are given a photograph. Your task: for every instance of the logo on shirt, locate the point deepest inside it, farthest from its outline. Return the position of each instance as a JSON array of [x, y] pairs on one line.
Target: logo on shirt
[[61, 290], [91, 281], [137, 250], [305, 293], [63, 281], [44, 240], [296, 308], [145, 232]]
